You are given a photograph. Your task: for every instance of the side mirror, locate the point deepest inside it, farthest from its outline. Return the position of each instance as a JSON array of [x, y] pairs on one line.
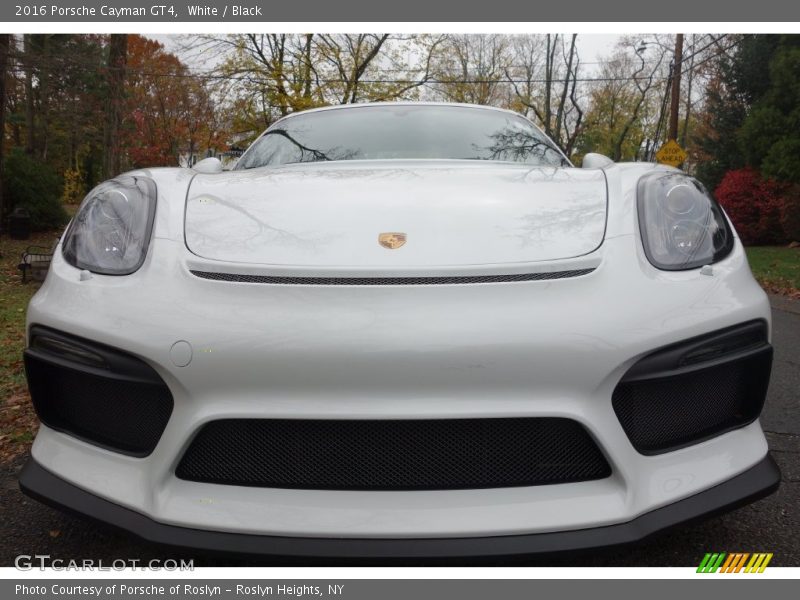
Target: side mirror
[[596, 161], [209, 165]]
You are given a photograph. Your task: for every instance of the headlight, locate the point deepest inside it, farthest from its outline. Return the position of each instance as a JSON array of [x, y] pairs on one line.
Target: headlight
[[111, 230], [682, 226]]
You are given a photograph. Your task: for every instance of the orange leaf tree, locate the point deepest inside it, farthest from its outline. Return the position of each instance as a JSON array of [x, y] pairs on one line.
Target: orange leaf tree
[[169, 116]]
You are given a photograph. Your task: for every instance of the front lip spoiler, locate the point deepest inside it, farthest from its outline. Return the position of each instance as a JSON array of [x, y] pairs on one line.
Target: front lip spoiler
[[755, 483]]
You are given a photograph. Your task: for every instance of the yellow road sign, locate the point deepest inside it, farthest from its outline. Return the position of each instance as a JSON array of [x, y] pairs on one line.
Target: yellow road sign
[[671, 154]]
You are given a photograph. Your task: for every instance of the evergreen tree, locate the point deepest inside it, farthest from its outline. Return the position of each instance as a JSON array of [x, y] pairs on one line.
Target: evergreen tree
[[742, 80]]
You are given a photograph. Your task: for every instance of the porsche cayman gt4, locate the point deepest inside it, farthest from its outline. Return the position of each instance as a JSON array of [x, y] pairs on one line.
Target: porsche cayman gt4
[[398, 330]]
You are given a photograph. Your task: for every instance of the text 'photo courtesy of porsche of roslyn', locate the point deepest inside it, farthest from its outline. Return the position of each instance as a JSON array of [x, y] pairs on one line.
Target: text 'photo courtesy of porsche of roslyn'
[[400, 299]]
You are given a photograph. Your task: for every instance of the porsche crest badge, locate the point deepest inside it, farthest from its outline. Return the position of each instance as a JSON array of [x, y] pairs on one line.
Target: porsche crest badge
[[392, 240]]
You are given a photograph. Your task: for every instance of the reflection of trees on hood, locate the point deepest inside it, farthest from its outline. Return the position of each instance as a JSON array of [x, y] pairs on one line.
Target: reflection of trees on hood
[[511, 144]]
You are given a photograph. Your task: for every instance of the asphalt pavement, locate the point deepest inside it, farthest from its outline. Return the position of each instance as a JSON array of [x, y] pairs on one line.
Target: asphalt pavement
[[770, 525]]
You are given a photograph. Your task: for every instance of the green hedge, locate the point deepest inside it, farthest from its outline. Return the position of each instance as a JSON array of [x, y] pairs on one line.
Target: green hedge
[[34, 185]]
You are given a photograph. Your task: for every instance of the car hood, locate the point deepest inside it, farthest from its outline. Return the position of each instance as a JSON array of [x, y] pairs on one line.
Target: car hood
[[452, 213]]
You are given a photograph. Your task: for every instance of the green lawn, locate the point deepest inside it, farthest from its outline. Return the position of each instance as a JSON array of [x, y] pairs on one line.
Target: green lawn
[[777, 268], [17, 420]]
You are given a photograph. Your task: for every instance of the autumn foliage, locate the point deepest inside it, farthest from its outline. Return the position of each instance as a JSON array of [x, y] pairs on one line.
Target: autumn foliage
[[168, 112], [754, 204]]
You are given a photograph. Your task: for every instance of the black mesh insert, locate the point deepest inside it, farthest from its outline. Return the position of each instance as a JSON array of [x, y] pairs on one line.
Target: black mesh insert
[[671, 412], [106, 410], [393, 454], [448, 280]]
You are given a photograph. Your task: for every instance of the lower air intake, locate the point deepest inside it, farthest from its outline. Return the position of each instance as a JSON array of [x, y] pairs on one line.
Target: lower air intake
[[393, 454], [98, 394], [694, 391]]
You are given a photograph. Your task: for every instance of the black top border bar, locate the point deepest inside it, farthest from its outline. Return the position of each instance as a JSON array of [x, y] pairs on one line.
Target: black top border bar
[[436, 11]]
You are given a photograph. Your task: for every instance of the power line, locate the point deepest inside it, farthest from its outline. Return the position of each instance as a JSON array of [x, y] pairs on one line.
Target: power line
[[26, 62], [694, 66], [711, 43], [722, 51], [21, 69]]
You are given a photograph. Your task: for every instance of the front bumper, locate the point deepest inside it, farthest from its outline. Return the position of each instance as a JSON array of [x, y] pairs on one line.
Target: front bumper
[[755, 483], [553, 349]]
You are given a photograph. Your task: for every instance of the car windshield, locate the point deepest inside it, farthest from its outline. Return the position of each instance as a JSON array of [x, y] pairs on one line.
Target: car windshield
[[403, 132]]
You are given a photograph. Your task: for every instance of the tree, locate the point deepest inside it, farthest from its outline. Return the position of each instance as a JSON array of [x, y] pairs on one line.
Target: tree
[[545, 85], [350, 56], [770, 135], [624, 103], [263, 77], [169, 112], [5, 40], [276, 73], [117, 58], [54, 92], [30, 122], [471, 69], [739, 79]]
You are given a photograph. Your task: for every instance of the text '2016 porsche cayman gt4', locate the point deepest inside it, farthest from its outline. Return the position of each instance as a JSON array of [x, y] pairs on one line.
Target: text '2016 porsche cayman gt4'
[[399, 330]]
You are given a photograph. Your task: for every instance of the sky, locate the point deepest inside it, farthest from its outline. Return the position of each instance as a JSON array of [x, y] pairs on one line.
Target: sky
[[592, 47]]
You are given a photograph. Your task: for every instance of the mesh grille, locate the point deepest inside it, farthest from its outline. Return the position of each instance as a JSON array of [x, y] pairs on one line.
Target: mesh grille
[[125, 416], [394, 454], [454, 280], [667, 413]]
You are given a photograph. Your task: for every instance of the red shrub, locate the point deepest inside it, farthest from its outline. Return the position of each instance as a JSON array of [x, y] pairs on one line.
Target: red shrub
[[790, 213], [754, 205]]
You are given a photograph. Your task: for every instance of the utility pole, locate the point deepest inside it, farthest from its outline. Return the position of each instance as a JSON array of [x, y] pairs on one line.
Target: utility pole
[[675, 94]]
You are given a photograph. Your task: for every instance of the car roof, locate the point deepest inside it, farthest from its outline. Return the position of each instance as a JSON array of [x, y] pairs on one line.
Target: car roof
[[397, 103]]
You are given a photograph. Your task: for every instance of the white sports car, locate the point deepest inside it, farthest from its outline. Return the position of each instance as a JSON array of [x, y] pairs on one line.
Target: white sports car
[[399, 330]]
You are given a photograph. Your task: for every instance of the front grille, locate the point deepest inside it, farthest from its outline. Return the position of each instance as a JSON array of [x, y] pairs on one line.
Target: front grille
[[122, 411], [449, 280], [392, 454], [667, 410]]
